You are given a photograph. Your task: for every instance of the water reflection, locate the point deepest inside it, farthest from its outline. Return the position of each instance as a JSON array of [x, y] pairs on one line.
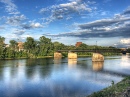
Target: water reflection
[[125, 61], [97, 66], [38, 67], [72, 63], [120, 65], [44, 78], [57, 60]]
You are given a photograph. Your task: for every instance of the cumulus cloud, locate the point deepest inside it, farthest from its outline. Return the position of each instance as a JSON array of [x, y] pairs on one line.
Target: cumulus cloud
[[32, 25], [19, 32], [75, 6], [10, 7], [36, 25], [103, 22], [127, 11], [15, 33], [118, 26], [125, 41], [63, 11], [15, 20]]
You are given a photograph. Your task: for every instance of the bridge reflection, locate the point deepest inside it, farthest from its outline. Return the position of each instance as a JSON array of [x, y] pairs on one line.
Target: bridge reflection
[[57, 60], [72, 63], [97, 66]]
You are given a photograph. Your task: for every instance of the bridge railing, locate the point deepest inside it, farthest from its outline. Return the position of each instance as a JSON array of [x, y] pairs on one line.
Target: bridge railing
[[92, 50]]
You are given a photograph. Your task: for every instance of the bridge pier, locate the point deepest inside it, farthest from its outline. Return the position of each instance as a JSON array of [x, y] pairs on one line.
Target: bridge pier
[[72, 55], [57, 55], [97, 57]]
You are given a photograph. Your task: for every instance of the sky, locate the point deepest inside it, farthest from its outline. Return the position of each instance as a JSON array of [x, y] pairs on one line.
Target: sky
[[101, 22]]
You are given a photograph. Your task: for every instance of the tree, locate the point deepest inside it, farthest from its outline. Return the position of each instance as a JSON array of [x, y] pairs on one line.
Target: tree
[[45, 45], [2, 39], [2, 47], [30, 44], [13, 44], [12, 49], [58, 46]]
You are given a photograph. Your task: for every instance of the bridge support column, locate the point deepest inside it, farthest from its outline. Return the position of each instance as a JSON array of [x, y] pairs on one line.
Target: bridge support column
[[57, 55], [72, 55], [97, 57]]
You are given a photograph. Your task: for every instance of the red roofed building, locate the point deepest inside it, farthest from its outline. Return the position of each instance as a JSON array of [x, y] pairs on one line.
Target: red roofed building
[[78, 44], [20, 46]]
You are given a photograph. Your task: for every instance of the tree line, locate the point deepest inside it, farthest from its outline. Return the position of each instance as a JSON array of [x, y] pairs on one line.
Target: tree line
[[40, 48]]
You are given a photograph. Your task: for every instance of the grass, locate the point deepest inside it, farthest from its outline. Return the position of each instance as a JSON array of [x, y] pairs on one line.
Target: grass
[[121, 89]]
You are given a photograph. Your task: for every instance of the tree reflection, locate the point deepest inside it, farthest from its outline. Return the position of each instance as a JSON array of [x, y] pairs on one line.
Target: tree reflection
[[39, 67]]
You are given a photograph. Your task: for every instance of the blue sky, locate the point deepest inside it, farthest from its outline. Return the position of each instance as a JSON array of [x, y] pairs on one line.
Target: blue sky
[[67, 21]]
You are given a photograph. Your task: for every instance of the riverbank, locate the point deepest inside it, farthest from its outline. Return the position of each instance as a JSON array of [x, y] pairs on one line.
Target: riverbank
[[121, 89], [51, 56], [27, 57]]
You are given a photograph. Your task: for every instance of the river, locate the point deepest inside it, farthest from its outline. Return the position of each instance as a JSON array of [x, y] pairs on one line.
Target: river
[[60, 78]]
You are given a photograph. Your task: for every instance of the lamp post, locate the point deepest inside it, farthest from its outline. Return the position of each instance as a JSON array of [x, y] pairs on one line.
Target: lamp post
[[96, 47]]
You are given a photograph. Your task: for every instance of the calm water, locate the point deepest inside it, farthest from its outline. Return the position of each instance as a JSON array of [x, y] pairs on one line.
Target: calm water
[[60, 78]]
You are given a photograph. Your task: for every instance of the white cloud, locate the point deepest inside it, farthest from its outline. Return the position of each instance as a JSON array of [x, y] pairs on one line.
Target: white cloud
[[104, 13], [32, 25], [125, 41], [19, 32], [10, 7], [68, 18], [76, 6], [36, 25], [65, 10], [104, 23], [127, 11], [15, 20], [105, 28]]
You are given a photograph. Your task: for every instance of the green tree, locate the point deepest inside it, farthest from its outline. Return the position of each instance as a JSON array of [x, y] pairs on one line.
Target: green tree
[[46, 45], [59, 46], [13, 47], [2, 47], [2, 39], [30, 44], [13, 44]]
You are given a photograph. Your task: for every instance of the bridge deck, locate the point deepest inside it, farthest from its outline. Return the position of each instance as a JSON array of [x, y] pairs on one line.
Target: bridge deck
[[91, 50]]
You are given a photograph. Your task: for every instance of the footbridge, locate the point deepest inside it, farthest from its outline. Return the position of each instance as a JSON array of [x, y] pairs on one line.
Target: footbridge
[[97, 53], [93, 50]]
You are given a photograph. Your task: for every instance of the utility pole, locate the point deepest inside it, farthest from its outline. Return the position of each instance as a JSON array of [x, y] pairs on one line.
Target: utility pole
[[96, 47]]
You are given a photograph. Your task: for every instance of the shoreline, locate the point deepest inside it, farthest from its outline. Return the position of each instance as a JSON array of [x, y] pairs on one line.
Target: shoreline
[[47, 57], [121, 89], [27, 58]]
